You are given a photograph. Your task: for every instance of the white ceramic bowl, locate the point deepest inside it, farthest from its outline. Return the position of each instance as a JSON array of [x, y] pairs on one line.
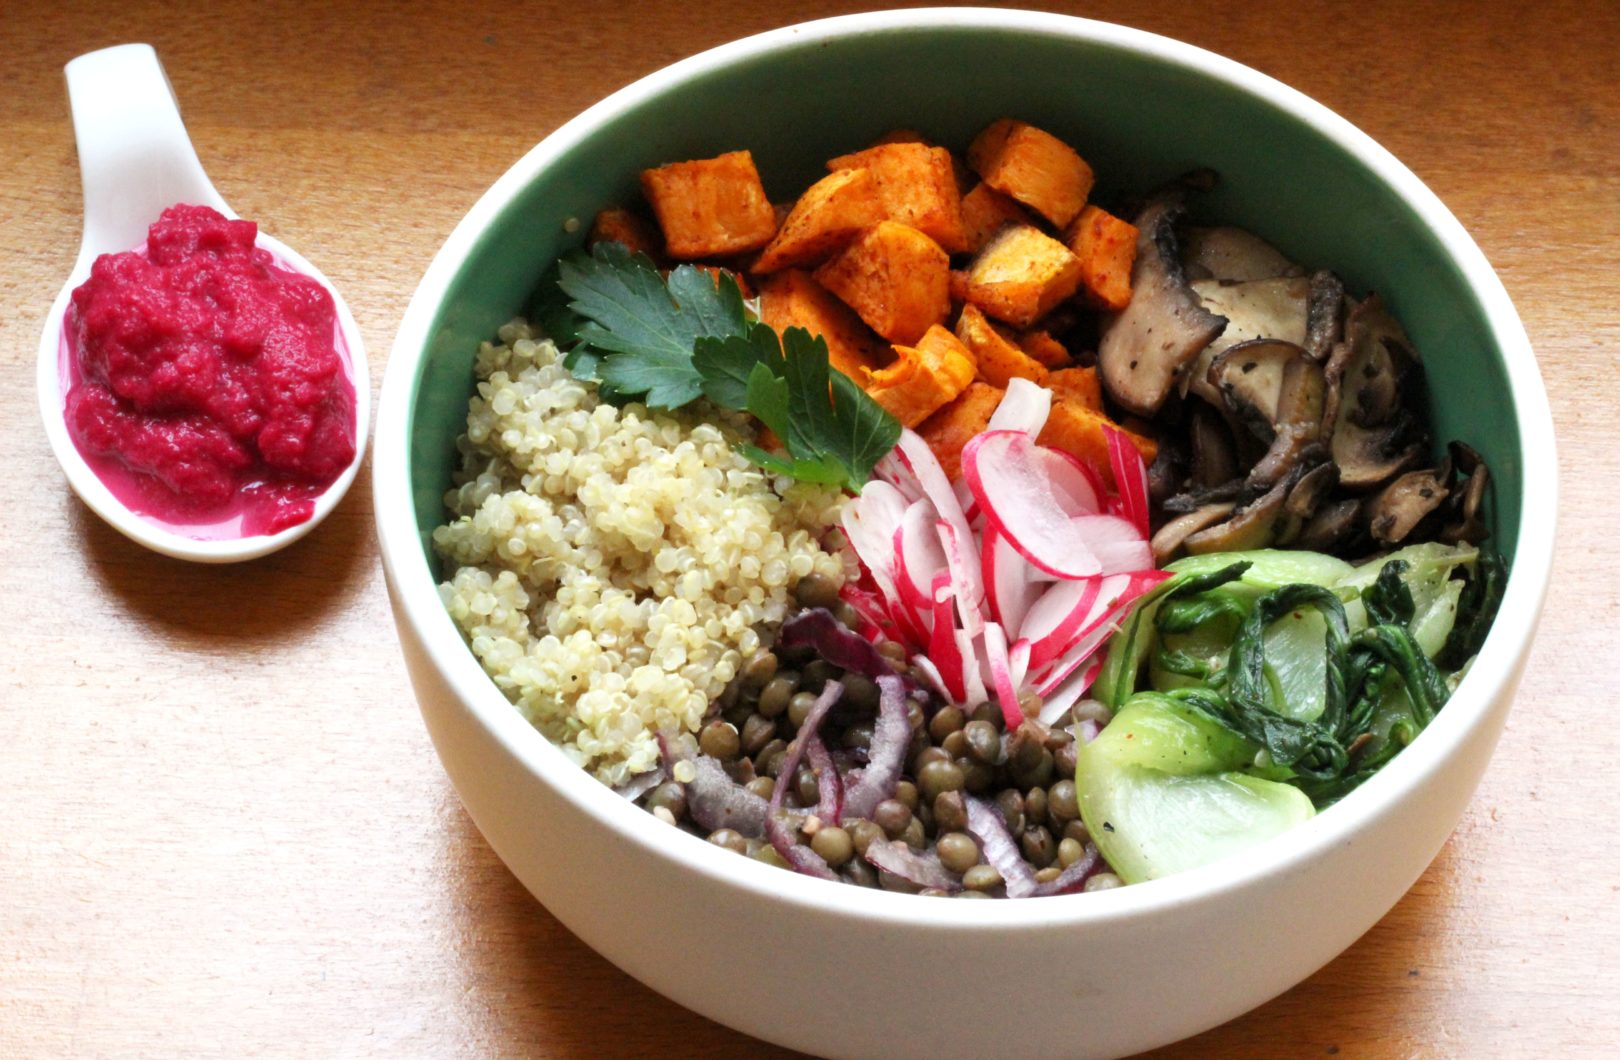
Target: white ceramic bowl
[[1092, 974]]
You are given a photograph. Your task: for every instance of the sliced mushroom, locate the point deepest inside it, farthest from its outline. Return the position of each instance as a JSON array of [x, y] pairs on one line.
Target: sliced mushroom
[[1331, 528], [1466, 523], [1227, 253], [1304, 498], [1251, 526], [1374, 437], [1258, 309], [1148, 346], [1214, 457], [1297, 430], [1324, 315], [1406, 502], [1168, 541], [1249, 379]]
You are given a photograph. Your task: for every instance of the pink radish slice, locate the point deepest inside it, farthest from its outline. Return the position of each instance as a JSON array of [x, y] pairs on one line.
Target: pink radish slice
[[919, 559], [914, 454], [1010, 587], [1023, 408], [1130, 475], [995, 653], [1115, 542], [1020, 502], [1106, 612], [1077, 487], [870, 521], [943, 647], [961, 565], [972, 672], [1061, 614], [931, 672], [1018, 661], [1061, 699]]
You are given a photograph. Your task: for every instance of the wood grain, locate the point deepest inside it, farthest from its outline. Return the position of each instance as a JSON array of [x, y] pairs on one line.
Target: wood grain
[[222, 828]]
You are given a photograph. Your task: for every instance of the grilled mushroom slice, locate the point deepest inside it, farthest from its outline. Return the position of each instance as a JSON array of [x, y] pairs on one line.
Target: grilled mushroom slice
[[1466, 523], [1226, 253], [1331, 528], [1168, 541], [1373, 436], [1406, 502], [1257, 309], [1252, 526], [1324, 315], [1148, 346], [1214, 456], [1249, 379]]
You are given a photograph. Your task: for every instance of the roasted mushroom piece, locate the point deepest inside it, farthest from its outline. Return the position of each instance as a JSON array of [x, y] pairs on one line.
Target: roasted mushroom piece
[[1171, 536], [1227, 253], [1324, 315], [1373, 435], [1148, 346], [1465, 522], [1397, 509], [1252, 526], [1272, 308]]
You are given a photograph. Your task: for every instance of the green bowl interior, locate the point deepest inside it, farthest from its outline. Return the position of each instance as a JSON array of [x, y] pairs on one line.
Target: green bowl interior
[[1138, 119]]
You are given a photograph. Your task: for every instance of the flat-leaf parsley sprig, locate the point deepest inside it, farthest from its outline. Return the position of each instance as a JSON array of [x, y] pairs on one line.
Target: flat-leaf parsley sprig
[[667, 343]]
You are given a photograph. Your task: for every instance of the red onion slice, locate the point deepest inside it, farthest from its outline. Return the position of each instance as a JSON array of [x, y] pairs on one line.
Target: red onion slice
[[999, 848], [828, 782], [1073, 878], [713, 799], [924, 870], [865, 788]]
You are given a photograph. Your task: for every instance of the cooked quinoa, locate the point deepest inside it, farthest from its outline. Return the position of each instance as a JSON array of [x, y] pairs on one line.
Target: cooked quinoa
[[613, 567]]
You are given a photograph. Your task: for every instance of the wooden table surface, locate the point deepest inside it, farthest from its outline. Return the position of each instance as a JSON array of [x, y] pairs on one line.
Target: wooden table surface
[[222, 828]]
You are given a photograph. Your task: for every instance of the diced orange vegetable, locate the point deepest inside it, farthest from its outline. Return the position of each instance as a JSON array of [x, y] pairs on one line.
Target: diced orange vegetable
[[1079, 385], [1044, 348], [957, 285], [1106, 247], [895, 277], [950, 429], [1021, 274], [631, 229], [830, 214], [998, 357], [710, 207], [923, 378], [1034, 167], [902, 136], [985, 211], [917, 187], [1078, 430], [792, 299]]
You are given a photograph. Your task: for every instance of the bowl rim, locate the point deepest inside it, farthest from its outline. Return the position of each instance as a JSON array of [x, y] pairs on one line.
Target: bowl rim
[[418, 603]]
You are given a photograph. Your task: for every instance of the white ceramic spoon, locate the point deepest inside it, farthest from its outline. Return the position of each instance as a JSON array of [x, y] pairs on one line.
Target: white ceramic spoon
[[135, 160]]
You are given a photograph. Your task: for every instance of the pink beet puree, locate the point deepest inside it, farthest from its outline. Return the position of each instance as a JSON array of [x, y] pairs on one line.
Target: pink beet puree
[[207, 390]]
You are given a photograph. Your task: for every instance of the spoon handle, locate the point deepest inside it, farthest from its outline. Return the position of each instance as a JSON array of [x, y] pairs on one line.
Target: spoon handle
[[135, 158]]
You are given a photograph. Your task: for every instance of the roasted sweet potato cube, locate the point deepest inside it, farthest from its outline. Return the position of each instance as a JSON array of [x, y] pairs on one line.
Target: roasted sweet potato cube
[[985, 211], [1044, 348], [1034, 167], [1080, 385], [792, 299], [998, 356], [710, 207], [917, 186], [1079, 431], [631, 229], [1106, 247], [950, 429], [895, 277], [830, 214], [1021, 274], [923, 377]]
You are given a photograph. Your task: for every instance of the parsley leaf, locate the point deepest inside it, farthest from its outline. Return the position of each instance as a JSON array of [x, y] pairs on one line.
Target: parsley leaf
[[669, 343]]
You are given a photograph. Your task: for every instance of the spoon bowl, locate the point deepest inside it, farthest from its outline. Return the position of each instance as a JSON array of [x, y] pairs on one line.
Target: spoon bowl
[[135, 160]]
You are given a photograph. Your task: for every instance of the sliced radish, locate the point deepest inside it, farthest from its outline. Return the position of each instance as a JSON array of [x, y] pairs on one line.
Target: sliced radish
[[1130, 475], [995, 653], [869, 523], [913, 453], [1008, 578], [1020, 501], [961, 563], [1077, 488], [1062, 613], [1115, 542], [1023, 408], [1018, 661], [943, 646], [1107, 611], [1069, 693]]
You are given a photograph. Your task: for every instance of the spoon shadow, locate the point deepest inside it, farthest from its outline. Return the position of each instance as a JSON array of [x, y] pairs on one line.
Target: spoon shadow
[[278, 597], [541, 991]]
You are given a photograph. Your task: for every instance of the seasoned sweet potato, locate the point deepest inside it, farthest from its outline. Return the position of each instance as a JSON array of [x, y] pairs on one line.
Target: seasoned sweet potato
[[827, 217], [791, 298], [1021, 274], [1078, 430], [1044, 348], [631, 229], [917, 188], [1106, 247], [985, 211], [999, 358], [710, 207], [1080, 385], [923, 378], [1034, 167], [950, 429], [895, 277]]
